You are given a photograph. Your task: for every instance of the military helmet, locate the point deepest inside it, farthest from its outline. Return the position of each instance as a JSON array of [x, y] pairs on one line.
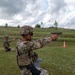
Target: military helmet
[[26, 30]]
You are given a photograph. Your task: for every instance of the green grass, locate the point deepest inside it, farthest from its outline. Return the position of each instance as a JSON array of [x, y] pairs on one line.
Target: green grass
[[8, 64], [56, 59]]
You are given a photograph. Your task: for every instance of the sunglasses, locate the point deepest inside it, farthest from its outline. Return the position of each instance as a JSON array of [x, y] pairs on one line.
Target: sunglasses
[[31, 33]]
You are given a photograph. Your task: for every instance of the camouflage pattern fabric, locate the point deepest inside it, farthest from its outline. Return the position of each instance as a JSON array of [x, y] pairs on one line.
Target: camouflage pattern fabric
[[25, 50], [6, 44], [24, 71], [26, 30]]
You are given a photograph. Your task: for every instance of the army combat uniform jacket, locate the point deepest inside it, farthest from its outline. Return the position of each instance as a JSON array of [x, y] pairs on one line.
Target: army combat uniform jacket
[[25, 50], [6, 43]]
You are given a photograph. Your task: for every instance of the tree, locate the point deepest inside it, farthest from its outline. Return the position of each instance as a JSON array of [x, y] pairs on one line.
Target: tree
[[56, 24], [42, 25], [6, 25], [37, 26], [18, 26]]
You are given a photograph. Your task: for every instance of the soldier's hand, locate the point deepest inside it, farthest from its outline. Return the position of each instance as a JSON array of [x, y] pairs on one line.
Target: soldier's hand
[[54, 37], [14, 39]]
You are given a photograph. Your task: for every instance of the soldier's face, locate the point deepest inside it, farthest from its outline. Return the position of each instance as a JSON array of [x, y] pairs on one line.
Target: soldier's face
[[28, 37]]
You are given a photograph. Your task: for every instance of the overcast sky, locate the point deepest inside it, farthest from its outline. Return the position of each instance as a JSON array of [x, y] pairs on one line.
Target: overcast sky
[[31, 12]]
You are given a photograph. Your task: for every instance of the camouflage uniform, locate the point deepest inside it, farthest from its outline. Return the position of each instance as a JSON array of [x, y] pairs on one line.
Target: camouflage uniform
[[25, 53], [6, 43]]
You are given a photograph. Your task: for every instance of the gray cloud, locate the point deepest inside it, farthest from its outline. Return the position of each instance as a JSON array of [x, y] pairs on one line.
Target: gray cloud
[[11, 7], [57, 6], [71, 22], [35, 11]]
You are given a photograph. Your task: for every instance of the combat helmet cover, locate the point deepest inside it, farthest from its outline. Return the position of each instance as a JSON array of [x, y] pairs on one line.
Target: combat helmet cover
[[26, 30]]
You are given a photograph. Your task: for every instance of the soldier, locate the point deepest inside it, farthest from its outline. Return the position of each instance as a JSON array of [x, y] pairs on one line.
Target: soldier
[[6, 43], [25, 54]]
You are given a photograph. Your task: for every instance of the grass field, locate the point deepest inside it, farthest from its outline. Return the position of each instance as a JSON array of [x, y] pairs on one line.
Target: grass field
[[56, 59]]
